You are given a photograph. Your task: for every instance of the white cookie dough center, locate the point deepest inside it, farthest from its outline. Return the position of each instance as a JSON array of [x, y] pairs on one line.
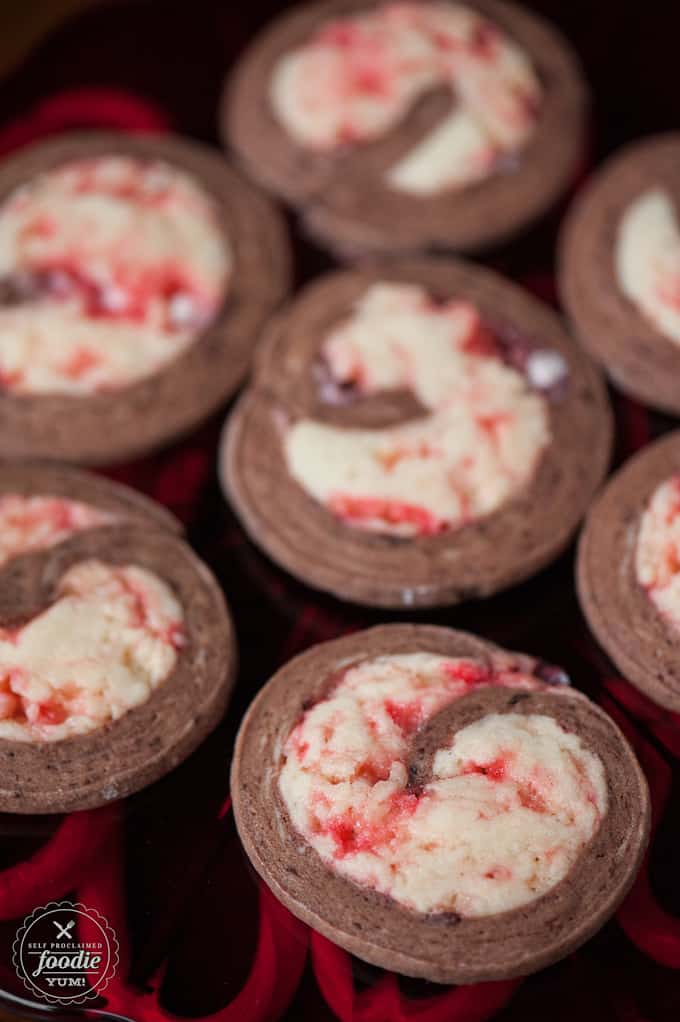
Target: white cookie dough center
[[657, 552], [512, 801], [110, 638], [114, 266], [478, 444], [356, 78], [647, 260]]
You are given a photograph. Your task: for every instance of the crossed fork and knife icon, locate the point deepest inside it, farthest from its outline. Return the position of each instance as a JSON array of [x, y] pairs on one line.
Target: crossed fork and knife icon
[[64, 932]]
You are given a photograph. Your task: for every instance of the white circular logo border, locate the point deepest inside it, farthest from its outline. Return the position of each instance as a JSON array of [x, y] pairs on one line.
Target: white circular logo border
[[79, 909]]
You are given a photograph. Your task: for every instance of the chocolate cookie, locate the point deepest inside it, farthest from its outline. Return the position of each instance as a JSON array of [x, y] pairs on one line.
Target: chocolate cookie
[[409, 126], [620, 270], [629, 570], [429, 802], [416, 433], [117, 650], [135, 275]]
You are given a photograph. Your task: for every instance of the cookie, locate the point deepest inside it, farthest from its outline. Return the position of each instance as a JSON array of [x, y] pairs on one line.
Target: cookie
[[416, 433], [436, 805], [135, 275], [409, 126], [117, 650], [619, 270], [628, 570]]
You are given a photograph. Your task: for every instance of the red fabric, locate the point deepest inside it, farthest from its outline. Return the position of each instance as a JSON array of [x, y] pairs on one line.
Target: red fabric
[[385, 1000], [80, 110], [52, 870]]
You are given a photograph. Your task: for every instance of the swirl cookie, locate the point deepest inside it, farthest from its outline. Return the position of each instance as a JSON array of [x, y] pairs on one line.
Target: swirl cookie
[[117, 653], [620, 270], [409, 125], [135, 274], [416, 434], [432, 804], [629, 570]]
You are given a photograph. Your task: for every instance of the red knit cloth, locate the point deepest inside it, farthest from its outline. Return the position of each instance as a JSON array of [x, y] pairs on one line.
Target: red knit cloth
[[198, 934]]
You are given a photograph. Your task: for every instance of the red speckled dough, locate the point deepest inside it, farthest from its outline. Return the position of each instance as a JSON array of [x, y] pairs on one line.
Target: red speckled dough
[[342, 196], [442, 947], [116, 426], [149, 740], [35, 478], [495, 551]]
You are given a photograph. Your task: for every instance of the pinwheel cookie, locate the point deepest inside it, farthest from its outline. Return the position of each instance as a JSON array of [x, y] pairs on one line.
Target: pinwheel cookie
[[436, 805], [409, 125], [117, 653], [629, 570], [135, 274], [620, 270], [416, 434]]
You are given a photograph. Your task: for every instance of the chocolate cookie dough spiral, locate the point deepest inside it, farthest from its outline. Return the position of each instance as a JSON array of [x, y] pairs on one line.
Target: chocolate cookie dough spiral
[[436, 805], [409, 126], [135, 276], [117, 653], [628, 570], [619, 269], [416, 433]]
